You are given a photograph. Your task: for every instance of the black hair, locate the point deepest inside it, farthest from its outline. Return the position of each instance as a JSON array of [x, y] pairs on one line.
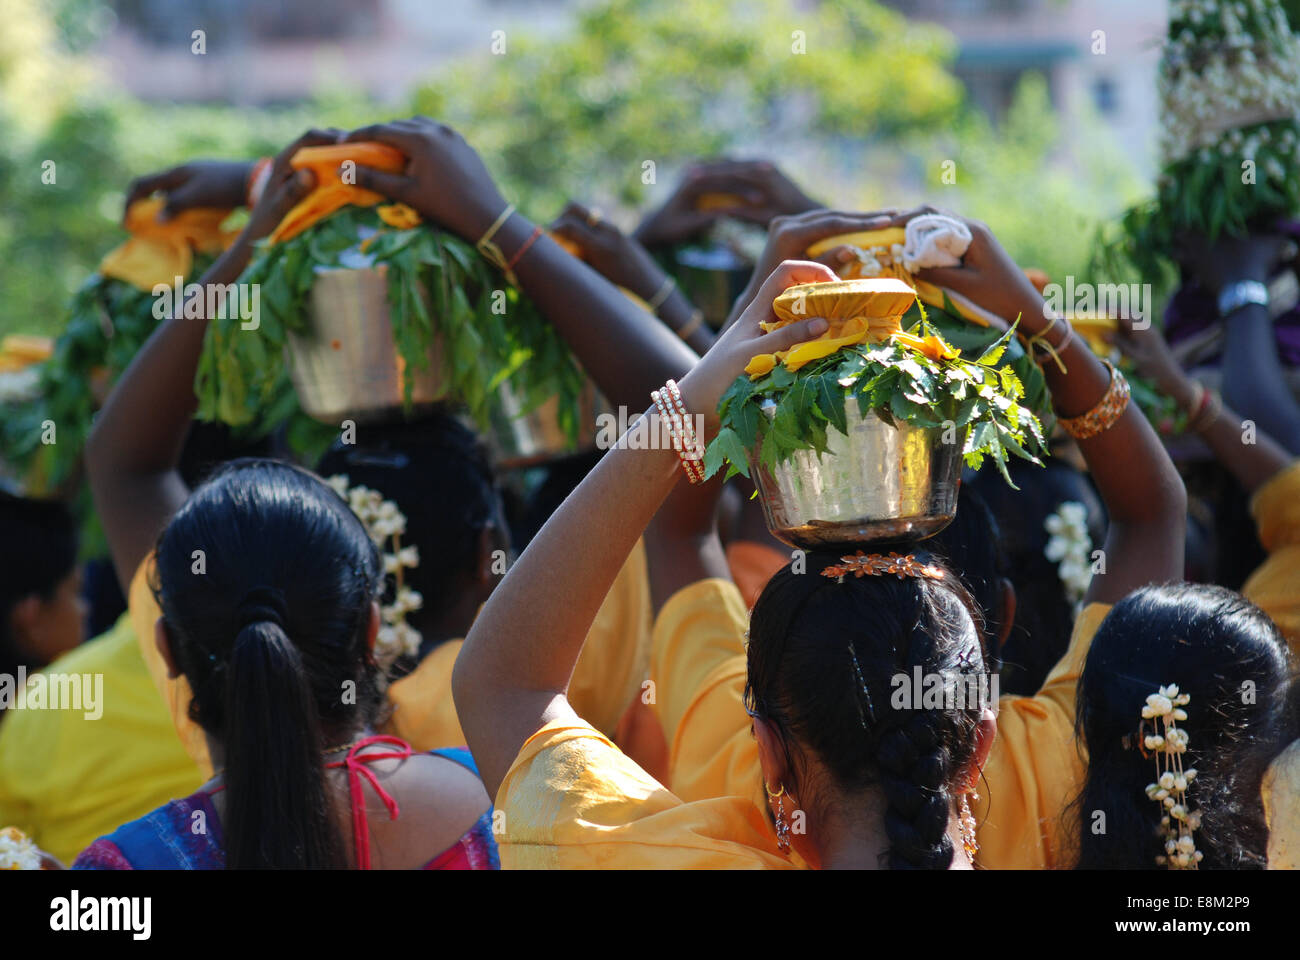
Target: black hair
[[40, 551], [824, 658], [972, 548], [1044, 611], [1224, 652], [265, 579], [438, 473]]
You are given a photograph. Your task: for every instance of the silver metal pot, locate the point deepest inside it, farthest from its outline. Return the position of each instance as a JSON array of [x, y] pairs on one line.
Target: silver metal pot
[[879, 483], [348, 366]]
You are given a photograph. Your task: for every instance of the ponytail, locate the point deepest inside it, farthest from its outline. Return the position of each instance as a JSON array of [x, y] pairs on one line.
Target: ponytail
[[277, 810]]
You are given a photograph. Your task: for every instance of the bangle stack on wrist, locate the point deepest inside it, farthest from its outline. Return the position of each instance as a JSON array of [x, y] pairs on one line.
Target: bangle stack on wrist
[[688, 444]]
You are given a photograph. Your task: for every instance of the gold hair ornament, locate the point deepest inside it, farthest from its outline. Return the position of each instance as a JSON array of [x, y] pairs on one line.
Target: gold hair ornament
[[879, 564]]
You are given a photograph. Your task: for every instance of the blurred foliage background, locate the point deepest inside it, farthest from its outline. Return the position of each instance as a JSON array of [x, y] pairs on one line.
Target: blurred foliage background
[[867, 119]]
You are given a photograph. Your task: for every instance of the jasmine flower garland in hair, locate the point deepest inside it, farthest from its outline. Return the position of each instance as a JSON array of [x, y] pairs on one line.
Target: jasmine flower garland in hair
[[386, 524], [1070, 547]]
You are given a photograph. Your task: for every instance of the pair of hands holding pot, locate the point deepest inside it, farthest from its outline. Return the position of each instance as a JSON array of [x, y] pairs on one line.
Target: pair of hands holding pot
[[447, 183]]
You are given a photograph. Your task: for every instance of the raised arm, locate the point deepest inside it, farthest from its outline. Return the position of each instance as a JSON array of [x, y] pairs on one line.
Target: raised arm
[[448, 184], [1144, 496], [511, 675], [622, 261], [134, 449], [1220, 427]]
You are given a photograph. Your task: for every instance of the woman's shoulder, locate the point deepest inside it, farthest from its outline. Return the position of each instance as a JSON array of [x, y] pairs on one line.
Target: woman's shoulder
[[184, 834]]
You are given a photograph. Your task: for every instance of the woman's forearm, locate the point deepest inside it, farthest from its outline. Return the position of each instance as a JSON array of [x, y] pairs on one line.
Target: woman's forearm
[[1254, 381], [133, 451], [623, 352]]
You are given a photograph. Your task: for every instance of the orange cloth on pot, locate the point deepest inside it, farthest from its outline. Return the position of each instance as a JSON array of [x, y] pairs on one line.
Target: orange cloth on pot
[[159, 252], [330, 192]]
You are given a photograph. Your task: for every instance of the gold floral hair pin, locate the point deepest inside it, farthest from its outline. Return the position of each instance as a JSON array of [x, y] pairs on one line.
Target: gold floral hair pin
[[1168, 743], [879, 564]]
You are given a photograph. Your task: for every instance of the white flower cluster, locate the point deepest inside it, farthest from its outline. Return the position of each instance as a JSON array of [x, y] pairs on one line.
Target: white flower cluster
[[1177, 821], [877, 261], [1070, 547], [386, 525], [17, 851], [1205, 79]]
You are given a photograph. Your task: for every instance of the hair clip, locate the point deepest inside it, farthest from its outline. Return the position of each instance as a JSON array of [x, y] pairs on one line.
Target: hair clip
[[878, 564]]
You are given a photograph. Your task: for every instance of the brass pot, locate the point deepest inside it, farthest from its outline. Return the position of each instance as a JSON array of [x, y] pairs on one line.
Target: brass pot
[[521, 439], [878, 483], [348, 366]]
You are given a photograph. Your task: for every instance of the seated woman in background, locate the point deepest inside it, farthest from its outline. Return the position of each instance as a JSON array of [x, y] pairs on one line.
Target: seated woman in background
[[268, 586]]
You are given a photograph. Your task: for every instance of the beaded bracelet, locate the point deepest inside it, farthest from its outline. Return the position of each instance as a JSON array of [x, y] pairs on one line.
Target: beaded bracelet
[[1102, 417], [672, 413]]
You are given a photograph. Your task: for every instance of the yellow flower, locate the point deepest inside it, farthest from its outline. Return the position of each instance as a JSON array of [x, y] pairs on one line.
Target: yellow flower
[[399, 216], [932, 346]]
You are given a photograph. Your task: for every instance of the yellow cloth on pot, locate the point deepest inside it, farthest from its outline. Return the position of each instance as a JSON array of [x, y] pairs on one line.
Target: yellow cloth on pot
[[857, 311], [330, 193], [159, 252]]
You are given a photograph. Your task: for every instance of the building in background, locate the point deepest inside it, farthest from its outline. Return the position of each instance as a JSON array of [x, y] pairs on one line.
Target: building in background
[[261, 53], [1001, 40]]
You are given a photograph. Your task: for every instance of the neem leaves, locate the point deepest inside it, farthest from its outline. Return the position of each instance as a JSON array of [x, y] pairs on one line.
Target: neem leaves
[[987, 394], [438, 287]]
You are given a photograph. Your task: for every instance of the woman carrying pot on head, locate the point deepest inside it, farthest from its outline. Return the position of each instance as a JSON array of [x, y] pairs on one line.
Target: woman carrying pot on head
[[698, 661], [266, 588]]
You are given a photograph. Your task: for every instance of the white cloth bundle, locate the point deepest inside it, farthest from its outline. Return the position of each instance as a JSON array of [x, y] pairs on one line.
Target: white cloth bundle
[[934, 240]]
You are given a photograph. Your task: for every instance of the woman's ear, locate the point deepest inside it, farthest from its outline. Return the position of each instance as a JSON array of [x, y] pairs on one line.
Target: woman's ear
[[771, 755], [163, 641], [985, 734]]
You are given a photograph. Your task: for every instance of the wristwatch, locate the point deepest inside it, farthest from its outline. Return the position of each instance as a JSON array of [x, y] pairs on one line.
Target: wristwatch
[[1237, 295]]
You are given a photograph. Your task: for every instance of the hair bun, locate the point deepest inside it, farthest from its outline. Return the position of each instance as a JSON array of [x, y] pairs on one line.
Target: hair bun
[[261, 605]]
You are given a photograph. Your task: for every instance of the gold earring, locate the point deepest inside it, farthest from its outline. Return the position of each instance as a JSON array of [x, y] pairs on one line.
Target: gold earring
[[782, 825], [966, 826]]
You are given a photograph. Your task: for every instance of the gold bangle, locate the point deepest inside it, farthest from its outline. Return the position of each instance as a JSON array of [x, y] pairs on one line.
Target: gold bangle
[[693, 324], [661, 296], [490, 251], [1102, 417]]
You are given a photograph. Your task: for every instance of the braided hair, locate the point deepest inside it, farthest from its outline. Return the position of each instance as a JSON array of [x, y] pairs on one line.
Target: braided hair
[[828, 664]]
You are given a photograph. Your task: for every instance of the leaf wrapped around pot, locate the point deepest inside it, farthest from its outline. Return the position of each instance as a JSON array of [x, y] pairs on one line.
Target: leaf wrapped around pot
[[908, 376], [445, 303]]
